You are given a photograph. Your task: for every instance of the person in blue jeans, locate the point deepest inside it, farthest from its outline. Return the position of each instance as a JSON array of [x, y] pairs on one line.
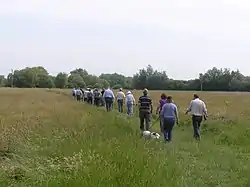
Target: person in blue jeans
[[169, 114]]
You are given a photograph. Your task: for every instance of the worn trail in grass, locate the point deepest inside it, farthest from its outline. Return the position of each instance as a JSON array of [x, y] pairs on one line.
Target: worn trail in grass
[[54, 141]]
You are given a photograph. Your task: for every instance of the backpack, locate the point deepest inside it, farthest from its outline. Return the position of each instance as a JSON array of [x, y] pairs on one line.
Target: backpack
[[90, 94], [97, 94]]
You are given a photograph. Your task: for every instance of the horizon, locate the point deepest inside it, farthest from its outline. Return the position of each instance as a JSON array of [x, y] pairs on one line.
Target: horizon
[[184, 38]]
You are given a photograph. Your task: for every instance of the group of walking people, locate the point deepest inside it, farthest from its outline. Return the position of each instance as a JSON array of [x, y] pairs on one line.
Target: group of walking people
[[166, 109]]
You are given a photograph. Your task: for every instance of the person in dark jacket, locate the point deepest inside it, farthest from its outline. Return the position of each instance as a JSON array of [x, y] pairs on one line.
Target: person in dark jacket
[[145, 110]]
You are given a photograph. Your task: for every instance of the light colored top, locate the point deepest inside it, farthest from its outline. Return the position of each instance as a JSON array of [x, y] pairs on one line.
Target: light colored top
[[197, 107], [108, 93], [120, 95], [169, 111], [130, 99], [78, 92]]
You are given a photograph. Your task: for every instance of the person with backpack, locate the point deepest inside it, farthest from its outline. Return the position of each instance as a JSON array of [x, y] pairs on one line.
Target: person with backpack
[[97, 97], [120, 99], [90, 96]]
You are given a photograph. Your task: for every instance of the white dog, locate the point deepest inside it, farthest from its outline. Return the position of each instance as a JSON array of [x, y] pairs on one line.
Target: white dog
[[150, 135]]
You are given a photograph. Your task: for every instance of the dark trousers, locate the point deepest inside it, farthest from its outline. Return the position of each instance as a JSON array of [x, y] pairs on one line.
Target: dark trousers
[[168, 124], [120, 105], [196, 120], [90, 100], [97, 101], [108, 102], [144, 116], [78, 97]]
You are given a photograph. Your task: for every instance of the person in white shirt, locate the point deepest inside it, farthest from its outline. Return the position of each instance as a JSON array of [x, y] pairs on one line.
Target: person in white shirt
[[198, 109], [130, 101], [120, 99], [78, 94]]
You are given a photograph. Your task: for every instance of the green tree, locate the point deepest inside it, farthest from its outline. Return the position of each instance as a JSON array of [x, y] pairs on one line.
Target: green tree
[[76, 81], [61, 80]]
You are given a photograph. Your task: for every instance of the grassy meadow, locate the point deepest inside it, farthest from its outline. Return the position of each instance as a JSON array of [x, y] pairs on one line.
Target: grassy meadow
[[48, 139]]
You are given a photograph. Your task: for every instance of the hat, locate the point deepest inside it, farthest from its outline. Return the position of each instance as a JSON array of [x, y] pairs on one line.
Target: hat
[[129, 92], [145, 91]]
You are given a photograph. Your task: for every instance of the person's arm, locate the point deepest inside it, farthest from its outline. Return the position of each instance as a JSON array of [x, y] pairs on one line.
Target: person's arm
[[158, 108], [104, 94], [189, 107], [162, 110], [204, 109], [113, 95], [151, 106], [133, 99], [176, 114]]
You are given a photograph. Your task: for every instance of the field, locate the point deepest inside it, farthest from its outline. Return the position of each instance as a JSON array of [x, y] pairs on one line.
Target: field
[[48, 139]]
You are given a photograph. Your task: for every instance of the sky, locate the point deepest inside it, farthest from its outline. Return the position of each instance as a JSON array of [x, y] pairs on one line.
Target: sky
[[182, 37]]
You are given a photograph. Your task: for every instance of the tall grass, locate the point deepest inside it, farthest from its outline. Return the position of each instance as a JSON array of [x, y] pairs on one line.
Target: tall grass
[[47, 139]]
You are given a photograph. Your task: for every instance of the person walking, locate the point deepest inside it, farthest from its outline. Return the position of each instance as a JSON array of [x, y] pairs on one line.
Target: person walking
[[169, 114], [109, 99], [102, 99], [162, 101], [198, 109], [130, 101], [90, 96], [97, 97], [74, 93], [145, 110], [120, 99], [78, 94]]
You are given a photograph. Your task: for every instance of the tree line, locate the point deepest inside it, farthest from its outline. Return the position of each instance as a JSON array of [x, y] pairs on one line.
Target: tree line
[[213, 80]]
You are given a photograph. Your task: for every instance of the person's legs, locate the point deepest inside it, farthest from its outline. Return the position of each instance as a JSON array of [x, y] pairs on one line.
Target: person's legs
[[165, 129], [106, 104], [148, 120], [130, 109], [196, 120], [170, 128], [161, 124], [141, 116], [119, 105]]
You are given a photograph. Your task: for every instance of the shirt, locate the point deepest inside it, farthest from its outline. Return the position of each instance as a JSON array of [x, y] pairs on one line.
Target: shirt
[[168, 111], [130, 99], [162, 102], [197, 107], [120, 95], [78, 92], [145, 103], [108, 93]]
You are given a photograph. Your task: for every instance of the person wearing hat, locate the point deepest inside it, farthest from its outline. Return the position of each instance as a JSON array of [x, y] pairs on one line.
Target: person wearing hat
[[145, 110], [120, 99], [130, 101], [198, 109]]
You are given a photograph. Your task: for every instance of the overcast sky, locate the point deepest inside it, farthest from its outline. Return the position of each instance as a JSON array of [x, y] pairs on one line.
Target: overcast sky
[[183, 37]]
